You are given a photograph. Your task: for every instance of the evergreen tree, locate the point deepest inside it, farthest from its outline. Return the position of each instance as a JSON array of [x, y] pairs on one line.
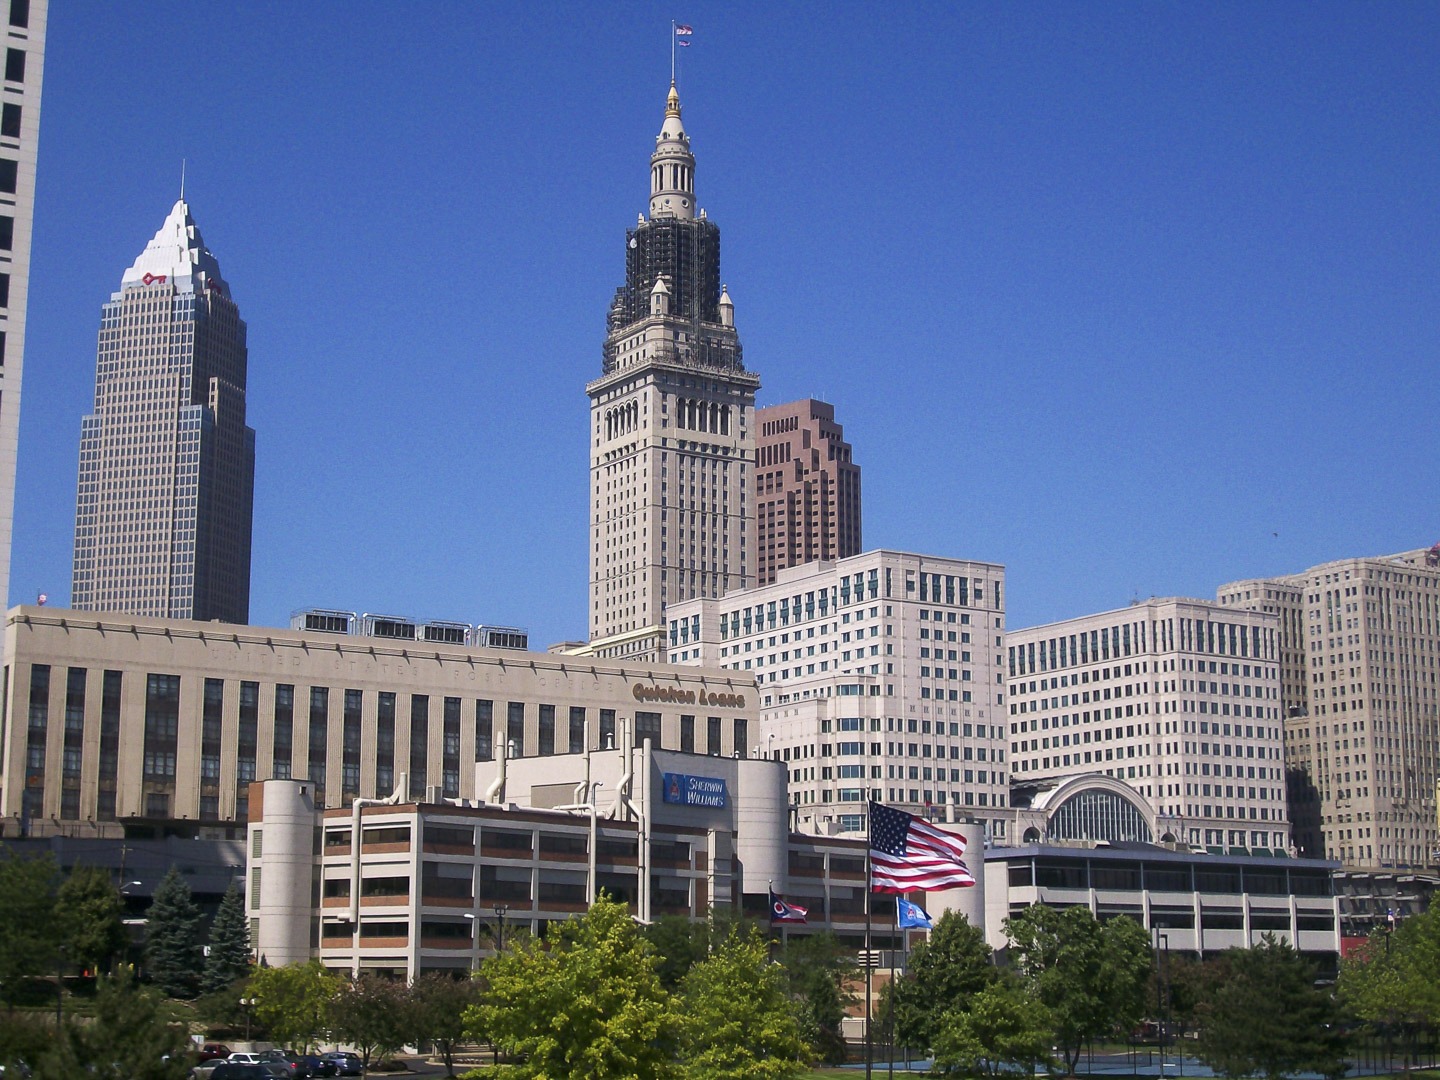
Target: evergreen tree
[[172, 938], [90, 912], [28, 930], [229, 959], [1267, 1018]]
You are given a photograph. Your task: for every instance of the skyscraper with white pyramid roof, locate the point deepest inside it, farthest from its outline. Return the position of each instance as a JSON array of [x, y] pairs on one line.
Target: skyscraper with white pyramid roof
[[167, 463]]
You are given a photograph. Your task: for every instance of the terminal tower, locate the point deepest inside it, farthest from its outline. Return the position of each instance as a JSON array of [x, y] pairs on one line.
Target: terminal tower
[[672, 440]]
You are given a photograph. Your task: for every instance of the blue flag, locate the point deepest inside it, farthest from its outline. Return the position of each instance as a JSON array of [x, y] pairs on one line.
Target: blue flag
[[912, 915]]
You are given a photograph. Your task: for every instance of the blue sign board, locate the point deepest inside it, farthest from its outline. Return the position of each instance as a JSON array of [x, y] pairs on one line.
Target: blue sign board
[[693, 790]]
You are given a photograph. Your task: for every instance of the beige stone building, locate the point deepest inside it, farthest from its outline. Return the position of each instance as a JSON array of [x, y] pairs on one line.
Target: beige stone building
[[1361, 641], [672, 442], [110, 718], [19, 140], [879, 676], [1178, 698]]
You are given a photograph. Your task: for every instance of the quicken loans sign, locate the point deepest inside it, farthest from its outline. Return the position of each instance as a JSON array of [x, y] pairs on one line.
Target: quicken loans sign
[[674, 695], [693, 790]]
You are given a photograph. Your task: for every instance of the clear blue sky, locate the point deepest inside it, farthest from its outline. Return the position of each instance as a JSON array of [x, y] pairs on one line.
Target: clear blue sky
[[1134, 298]]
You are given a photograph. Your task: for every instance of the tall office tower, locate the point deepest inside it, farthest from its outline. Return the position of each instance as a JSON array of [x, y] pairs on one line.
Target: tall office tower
[[807, 488], [1362, 727], [879, 677], [1179, 699], [167, 465], [19, 137], [672, 444]]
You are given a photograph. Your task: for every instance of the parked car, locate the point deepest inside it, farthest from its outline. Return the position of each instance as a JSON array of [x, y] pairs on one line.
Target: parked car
[[294, 1064], [319, 1066], [240, 1070], [214, 1051], [347, 1063], [245, 1057]]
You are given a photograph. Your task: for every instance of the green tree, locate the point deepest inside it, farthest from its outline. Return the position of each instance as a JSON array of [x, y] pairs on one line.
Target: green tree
[[128, 1039], [1090, 975], [437, 1012], [229, 958], [1000, 1026], [1267, 1017], [91, 916], [1389, 982], [372, 1014], [29, 932], [942, 972], [293, 1002], [739, 1021], [818, 970], [172, 938], [584, 1005]]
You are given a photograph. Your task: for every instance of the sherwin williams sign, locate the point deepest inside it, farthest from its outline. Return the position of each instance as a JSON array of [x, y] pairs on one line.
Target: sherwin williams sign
[[694, 790]]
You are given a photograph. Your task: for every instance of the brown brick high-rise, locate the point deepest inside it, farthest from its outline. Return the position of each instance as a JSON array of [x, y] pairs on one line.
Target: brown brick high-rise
[[807, 488]]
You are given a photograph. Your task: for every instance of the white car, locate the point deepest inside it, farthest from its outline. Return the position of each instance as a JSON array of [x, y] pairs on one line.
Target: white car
[[246, 1058]]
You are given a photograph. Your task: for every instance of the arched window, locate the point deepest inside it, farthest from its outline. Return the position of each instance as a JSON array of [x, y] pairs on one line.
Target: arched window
[[1099, 815]]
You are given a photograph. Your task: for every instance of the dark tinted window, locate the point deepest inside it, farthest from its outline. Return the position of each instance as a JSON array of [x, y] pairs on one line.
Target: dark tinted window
[[19, 12], [10, 121], [9, 175], [14, 65]]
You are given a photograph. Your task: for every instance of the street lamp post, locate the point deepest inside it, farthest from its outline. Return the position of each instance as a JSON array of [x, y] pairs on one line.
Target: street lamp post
[[59, 988], [500, 911], [248, 1004]]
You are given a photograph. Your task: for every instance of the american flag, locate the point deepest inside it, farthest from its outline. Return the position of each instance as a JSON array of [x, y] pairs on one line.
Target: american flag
[[908, 854]]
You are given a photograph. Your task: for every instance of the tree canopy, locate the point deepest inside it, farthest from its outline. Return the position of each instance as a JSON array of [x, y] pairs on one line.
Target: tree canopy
[[1090, 975], [941, 973], [29, 932], [293, 1002], [818, 969], [90, 911], [999, 1027], [738, 1019], [128, 1039], [1267, 1018], [437, 1012], [371, 1013], [586, 1004]]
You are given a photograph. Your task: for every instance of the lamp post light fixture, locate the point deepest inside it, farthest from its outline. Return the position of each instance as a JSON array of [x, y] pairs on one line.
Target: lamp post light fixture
[[500, 911], [248, 1004]]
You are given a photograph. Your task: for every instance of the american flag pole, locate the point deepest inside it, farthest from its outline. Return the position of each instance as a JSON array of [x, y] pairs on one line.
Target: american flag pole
[[890, 1012], [869, 968], [672, 52]]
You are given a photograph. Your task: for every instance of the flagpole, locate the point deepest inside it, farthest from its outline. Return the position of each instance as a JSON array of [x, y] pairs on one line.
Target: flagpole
[[869, 892], [672, 52], [890, 1019]]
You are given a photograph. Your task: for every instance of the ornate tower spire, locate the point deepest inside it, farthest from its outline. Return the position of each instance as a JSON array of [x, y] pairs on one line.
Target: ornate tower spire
[[672, 166]]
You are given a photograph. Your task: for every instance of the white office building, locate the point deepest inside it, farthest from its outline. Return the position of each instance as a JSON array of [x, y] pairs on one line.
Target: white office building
[[1178, 698], [879, 676]]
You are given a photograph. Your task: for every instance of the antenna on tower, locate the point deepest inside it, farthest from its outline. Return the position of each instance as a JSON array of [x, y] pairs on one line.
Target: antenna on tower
[[182, 179]]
